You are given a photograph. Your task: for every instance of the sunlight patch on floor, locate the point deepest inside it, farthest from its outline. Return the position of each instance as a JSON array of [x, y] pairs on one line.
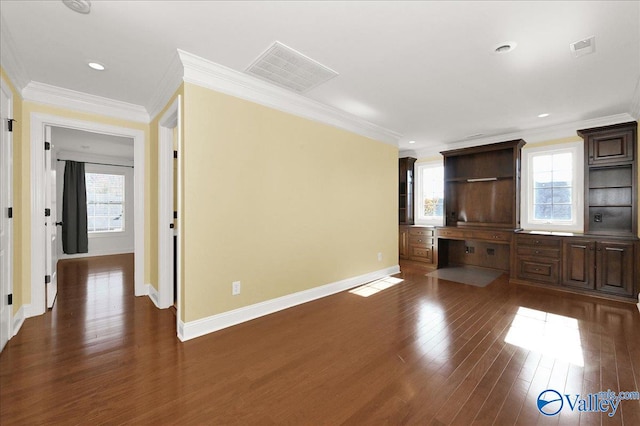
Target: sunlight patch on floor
[[552, 335], [376, 286]]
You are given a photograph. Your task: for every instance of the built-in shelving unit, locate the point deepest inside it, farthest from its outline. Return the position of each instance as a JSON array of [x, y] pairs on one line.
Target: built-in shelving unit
[[482, 185], [405, 191]]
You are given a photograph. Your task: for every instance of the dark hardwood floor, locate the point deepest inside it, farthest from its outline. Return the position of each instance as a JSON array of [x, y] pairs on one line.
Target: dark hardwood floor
[[422, 351]]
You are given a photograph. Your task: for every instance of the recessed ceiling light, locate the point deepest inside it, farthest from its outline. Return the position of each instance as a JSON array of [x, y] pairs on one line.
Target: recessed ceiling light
[[543, 115], [412, 141], [80, 6], [96, 66], [506, 47]]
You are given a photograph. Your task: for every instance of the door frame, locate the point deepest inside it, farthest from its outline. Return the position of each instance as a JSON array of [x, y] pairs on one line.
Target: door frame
[[10, 325], [37, 127], [166, 125]]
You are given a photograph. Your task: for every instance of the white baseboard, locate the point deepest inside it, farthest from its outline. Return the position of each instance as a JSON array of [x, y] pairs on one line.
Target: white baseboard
[[18, 319], [153, 295], [30, 311], [193, 329]]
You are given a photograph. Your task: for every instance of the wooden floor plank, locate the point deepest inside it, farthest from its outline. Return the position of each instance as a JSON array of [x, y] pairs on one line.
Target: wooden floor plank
[[425, 351]]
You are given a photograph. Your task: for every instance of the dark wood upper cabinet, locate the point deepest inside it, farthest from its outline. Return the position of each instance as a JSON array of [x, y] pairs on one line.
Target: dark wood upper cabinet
[[610, 178], [482, 185], [405, 191]]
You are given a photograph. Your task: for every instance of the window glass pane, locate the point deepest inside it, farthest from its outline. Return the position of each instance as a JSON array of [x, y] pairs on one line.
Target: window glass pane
[[432, 195], [105, 202], [542, 163], [562, 212], [552, 186]]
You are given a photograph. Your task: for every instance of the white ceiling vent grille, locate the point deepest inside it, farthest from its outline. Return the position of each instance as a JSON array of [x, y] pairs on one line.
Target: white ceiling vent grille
[[288, 68], [583, 47]]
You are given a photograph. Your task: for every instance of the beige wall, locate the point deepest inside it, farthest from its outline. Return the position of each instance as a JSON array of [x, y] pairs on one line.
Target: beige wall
[[278, 202]]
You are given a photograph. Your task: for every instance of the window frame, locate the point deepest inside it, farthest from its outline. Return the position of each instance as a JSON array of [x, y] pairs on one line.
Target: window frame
[[110, 170], [527, 191], [419, 169]]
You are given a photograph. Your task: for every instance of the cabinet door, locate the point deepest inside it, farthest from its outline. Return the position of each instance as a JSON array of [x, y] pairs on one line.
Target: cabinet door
[[614, 266], [403, 240], [578, 263], [611, 147]]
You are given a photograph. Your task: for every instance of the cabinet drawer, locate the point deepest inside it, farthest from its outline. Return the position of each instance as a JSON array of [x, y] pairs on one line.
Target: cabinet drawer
[[420, 241], [492, 236], [539, 252], [426, 232], [534, 270], [423, 254], [539, 241], [452, 233]]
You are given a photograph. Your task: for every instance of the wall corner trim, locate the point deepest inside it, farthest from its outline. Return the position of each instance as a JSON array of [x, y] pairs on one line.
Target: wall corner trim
[[83, 102], [18, 319], [204, 73], [153, 294], [170, 82], [197, 328]]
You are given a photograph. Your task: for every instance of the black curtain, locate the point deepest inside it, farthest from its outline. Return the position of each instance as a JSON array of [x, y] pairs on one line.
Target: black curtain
[[74, 209]]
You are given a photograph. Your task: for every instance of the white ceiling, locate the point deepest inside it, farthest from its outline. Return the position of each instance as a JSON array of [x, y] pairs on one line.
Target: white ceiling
[[426, 70]]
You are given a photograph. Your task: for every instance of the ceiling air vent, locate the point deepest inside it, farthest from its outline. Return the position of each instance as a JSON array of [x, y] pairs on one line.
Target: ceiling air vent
[[583, 47], [288, 68]]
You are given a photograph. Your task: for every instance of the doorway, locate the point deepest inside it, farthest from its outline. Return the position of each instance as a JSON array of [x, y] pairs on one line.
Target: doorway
[[39, 123], [169, 217]]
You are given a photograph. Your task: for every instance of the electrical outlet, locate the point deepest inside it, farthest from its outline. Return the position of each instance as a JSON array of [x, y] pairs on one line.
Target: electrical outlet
[[379, 257], [235, 288]]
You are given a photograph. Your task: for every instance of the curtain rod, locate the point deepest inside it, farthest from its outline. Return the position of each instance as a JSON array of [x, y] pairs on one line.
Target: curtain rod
[[99, 164]]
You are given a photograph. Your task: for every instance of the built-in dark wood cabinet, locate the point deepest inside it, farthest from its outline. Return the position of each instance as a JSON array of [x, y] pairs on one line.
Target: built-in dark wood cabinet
[[610, 180], [604, 260], [405, 192], [605, 266], [481, 205], [578, 265], [482, 185], [538, 258], [417, 243]]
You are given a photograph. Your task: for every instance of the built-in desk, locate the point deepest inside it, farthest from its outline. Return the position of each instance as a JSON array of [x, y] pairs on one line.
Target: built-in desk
[[484, 247]]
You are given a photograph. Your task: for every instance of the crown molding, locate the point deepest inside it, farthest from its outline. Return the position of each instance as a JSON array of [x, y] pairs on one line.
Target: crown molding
[[10, 61], [213, 76], [83, 102], [166, 88], [531, 136]]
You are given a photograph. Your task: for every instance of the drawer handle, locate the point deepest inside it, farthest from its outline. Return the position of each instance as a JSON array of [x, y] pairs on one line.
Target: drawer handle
[[537, 242], [537, 252]]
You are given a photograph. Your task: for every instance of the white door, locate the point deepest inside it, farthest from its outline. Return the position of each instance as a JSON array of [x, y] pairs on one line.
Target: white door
[[6, 191], [51, 256]]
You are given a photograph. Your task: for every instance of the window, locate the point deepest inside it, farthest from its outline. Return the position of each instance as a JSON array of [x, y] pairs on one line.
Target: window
[[429, 193], [552, 188], [105, 202]]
